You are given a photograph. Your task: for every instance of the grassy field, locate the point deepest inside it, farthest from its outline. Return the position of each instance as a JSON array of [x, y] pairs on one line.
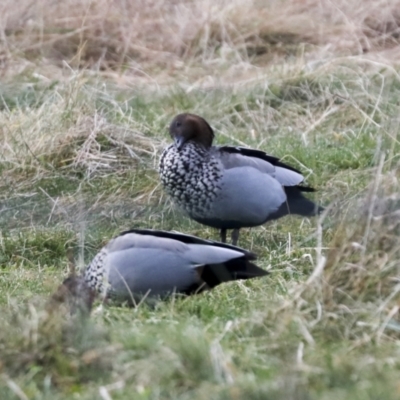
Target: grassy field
[[87, 92]]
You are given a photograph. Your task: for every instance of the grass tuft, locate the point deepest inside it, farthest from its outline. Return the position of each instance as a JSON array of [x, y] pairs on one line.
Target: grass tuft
[[53, 347]]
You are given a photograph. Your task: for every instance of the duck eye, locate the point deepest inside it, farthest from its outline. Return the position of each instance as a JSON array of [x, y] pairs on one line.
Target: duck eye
[[178, 124]]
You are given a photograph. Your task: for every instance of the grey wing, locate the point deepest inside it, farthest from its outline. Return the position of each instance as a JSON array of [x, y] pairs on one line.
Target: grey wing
[[208, 254], [161, 268], [247, 196], [188, 239], [287, 177], [135, 240], [157, 271], [237, 160], [284, 176]]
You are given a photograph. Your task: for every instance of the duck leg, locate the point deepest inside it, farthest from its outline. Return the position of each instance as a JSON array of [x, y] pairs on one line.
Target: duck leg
[[235, 236], [223, 235]]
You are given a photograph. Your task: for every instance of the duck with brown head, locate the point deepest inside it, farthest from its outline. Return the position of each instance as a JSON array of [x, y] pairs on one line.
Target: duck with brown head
[[228, 187]]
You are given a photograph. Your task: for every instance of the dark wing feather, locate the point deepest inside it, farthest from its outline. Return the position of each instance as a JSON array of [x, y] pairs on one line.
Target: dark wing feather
[[257, 154]]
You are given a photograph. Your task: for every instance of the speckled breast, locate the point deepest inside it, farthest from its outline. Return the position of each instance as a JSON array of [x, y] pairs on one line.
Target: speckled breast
[[94, 273], [191, 177]]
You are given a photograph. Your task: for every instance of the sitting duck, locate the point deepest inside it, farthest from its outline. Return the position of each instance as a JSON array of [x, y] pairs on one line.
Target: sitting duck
[[142, 263]]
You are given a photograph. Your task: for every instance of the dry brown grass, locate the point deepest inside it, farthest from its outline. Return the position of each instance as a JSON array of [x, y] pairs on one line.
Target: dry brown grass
[[164, 38], [363, 261], [67, 130], [355, 293]]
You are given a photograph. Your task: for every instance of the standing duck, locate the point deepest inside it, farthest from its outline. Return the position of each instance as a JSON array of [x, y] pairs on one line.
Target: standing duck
[[228, 187], [144, 262]]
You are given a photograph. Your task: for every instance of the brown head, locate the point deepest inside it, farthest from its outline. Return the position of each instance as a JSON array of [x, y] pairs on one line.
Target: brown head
[[191, 127], [75, 294]]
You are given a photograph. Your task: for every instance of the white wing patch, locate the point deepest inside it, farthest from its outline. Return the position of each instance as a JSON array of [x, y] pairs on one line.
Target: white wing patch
[[287, 177]]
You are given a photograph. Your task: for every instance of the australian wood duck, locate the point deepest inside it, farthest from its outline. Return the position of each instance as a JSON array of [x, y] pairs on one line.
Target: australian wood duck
[[228, 187], [144, 262]]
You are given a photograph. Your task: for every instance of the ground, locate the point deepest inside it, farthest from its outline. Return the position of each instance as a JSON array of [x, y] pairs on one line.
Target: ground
[[87, 92]]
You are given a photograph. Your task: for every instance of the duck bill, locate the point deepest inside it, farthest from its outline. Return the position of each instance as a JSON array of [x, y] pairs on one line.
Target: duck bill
[[179, 142]]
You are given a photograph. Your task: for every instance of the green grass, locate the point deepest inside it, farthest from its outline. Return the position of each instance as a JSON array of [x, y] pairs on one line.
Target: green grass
[[78, 162]]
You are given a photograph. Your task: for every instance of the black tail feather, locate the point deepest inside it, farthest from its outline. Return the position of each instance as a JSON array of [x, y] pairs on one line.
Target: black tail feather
[[297, 204], [300, 188], [238, 268]]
